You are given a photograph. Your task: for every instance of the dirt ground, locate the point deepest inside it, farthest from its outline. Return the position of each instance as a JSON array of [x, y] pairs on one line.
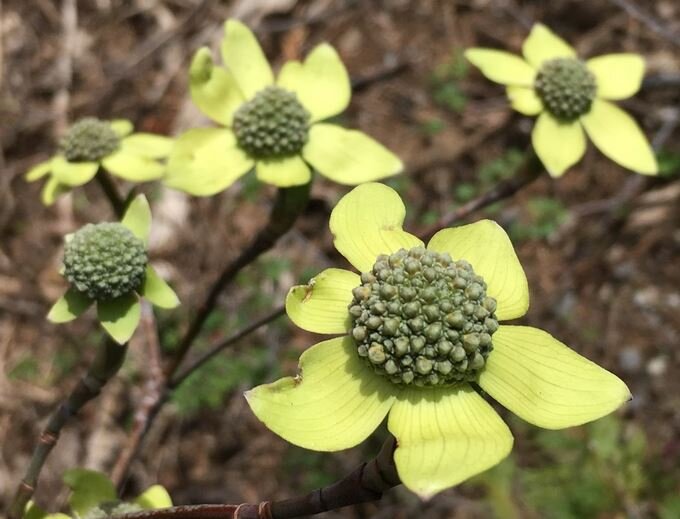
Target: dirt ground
[[602, 266]]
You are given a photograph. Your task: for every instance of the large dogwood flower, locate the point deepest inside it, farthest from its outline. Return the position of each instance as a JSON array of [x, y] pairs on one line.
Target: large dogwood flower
[[419, 326], [570, 96], [275, 126]]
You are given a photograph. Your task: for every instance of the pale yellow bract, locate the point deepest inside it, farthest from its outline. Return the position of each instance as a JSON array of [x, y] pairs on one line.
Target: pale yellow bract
[[444, 434], [561, 144]]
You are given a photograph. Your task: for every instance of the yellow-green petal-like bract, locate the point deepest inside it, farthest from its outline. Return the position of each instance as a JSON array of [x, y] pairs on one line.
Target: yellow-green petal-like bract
[[147, 145], [214, 90], [502, 67], [73, 173], [137, 218], [205, 161], [153, 498], [546, 383], [69, 306], [334, 403], [132, 167], [51, 190], [348, 156], [283, 172], [618, 76], [542, 44], [445, 436], [321, 82], [157, 291], [618, 136], [487, 247], [122, 127], [367, 222], [243, 56], [525, 100], [120, 316], [558, 144], [321, 305], [39, 171]]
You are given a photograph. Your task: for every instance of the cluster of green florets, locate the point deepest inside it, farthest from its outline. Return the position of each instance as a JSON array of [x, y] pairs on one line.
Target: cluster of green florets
[[273, 124], [421, 318], [105, 261], [89, 140], [566, 87]]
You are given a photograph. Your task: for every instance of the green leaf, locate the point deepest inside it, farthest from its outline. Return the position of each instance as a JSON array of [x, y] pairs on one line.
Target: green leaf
[[367, 222], [321, 82], [147, 145], [558, 144], [542, 45], [157, 291], [120, 316], [348, 156], [137, 218], [153, 498], [133, 167], [502, 67], [213, 89], [618, 136], [445, 436], [69, 306], [546, 383], [321, 305], [243, 56], [73, 173], [334, 403], [284, 172], [486, 246], [88, 489], [205, 161]]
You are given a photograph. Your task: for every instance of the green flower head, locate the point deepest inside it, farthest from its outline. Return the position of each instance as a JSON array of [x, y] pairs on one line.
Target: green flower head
[[92, 143], [569, 96], [419, 325], [273, 125], [107, 264]]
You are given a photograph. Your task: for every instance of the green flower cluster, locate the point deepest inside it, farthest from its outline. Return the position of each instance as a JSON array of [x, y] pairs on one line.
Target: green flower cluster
[[89, 140], [105, 261], [566, 87], [272, 124], [421, 318], [114, 508]]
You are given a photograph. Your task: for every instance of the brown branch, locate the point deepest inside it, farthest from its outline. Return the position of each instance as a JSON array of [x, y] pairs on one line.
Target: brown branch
[[106, 364], [530, 169], [366, 483]]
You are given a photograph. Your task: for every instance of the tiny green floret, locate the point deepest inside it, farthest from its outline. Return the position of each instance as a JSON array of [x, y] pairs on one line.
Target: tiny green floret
[[566, 87], [105, 261], [421, 318], [114, 508], [273, 124], [89, 140]]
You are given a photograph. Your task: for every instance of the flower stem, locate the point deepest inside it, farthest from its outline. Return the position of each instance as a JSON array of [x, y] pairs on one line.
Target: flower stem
[[290, 202], [111, 192], [366, 483], [105, 365], [530, 169]]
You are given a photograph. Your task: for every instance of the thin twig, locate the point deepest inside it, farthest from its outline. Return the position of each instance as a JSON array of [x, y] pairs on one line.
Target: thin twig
[[290, 202], [106, 364], [154, 399], [529, 171], [366, 483]]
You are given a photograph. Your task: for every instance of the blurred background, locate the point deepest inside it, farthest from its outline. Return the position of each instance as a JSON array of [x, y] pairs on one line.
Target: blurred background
[[601, 249]]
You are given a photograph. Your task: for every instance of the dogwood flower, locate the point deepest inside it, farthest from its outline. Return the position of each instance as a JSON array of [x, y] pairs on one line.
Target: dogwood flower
[[569, 96], [419, 326], [107, 263], [91, 144], [274, 126]]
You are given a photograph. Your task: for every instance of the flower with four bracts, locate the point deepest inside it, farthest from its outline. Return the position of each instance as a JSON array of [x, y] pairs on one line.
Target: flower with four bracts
[[107, 264], [92, 143], [421, 333], [274, 126], [572, 98]]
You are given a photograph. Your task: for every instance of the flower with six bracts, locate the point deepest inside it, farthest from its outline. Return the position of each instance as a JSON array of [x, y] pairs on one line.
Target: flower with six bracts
[[92, 143], [107, 264], [420, 325], [273, 125], [569, 96]]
